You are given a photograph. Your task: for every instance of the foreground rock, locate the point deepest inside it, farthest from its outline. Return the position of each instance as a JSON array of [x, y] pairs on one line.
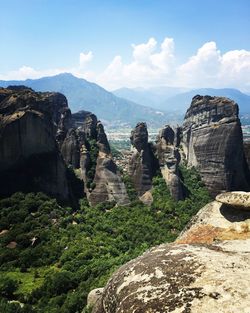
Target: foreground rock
[[212, 142], [238, 199], [205, 270], [30, 159]]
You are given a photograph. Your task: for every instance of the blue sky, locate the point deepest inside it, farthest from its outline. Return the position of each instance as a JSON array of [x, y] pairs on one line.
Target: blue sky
[[43, 37]]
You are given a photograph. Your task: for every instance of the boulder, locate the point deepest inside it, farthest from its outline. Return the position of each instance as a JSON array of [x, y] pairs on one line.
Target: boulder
[[94, 296], [205, 270], [238, 199]]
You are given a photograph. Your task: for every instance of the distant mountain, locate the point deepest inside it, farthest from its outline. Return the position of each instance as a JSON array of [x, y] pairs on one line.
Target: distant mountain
[[152, 97], [181, 102], [83, 95], [177, 100]]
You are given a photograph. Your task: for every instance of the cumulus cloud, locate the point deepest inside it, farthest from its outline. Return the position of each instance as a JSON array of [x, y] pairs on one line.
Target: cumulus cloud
[[25, 72], [148, 67], [85, 58], [154, 63]]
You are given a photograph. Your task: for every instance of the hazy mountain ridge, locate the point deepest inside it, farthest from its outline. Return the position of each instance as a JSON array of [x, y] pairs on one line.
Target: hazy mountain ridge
[[171, 99], [83, 95]]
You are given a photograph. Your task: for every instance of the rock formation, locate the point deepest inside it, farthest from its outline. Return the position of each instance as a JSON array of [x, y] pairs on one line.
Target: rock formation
[[29, 156], [169, 157], [247, 153], [39, 138], [205, 270], [212, 142], [142, 164], [87, 150]]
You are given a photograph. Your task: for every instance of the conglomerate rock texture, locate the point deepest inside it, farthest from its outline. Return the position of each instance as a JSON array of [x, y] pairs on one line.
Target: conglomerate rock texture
[[206, 270], [212, 142], [29, 156]]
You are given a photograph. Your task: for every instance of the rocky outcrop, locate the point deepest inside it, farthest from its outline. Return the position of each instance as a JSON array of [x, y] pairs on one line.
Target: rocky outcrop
[[204, 271], [247, 153], [29, 154], [142, 164], [236, 199], [212, 142], [87, 150], [169, 158]]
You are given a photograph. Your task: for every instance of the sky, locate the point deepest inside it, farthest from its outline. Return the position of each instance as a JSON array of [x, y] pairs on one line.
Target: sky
[[128, 43]]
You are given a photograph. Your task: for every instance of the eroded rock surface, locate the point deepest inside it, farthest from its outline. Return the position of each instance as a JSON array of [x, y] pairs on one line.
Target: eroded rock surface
[[87, 149], [236, 199], [206, 270], [29, 156], [212, 142], [169, 158], [142, 164]]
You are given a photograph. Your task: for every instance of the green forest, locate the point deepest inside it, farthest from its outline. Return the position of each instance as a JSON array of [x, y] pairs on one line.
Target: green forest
[[51, 256]]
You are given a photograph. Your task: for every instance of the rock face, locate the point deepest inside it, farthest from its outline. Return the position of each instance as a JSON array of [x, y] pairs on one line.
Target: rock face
[[247, 153], [169, 158], [236, 199], [87, 150], [29, 154], [205, 270], [142, 164], [212, 142]]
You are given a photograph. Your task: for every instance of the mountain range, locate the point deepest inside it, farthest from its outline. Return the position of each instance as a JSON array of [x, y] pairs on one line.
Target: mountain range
[[126, 106], [171, 99], [84, 95]]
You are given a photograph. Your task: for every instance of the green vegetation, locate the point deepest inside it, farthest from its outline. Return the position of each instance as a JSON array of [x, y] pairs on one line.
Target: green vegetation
[[93, 154], [120, 144], [61, 253]]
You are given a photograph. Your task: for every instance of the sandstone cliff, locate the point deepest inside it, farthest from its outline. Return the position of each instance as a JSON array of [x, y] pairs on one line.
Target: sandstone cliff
[[205, 270], [142, 164], [87, 150], [29, 155], [168, 156], [212, 142]]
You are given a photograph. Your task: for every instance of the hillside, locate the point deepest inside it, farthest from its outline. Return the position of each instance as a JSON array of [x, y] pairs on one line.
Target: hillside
[[83, 95], [175, 100], [181, 101], [151, 97]]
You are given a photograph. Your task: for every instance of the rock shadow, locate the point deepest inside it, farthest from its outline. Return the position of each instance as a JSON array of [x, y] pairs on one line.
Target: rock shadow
[[234, 214]]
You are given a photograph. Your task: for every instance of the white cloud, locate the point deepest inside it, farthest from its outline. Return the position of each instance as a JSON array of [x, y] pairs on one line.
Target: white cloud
[[201, 68], [147, 68], [153, 64], [25, 72], [85, 58]]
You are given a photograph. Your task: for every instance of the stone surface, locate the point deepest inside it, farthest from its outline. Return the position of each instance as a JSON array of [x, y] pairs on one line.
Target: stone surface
[[169, 158], [86, 136], [29, 154], [212, 142], [237, 199], [147, 198], [206, 270], [93, 296], [142, 163], [108, 183]]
